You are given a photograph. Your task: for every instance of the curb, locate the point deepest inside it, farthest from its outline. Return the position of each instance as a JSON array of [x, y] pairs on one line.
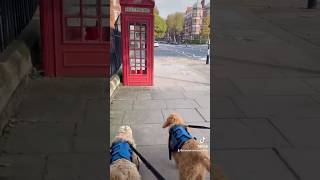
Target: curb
[[114, 84], [14, 69]]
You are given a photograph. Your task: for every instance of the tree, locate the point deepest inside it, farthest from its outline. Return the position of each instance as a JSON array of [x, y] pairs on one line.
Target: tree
[[175, 24], [205, 31], [160, 27]]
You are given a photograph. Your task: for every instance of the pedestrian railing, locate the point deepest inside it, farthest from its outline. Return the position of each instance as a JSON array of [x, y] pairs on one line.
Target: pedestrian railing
[[115, 60], [15, 15]]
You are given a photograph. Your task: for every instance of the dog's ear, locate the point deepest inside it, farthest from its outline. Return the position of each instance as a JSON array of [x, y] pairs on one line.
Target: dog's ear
[[172, 119]]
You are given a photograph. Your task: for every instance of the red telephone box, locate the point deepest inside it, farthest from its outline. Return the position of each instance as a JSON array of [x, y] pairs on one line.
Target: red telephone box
[[137, 42], [75, 37]]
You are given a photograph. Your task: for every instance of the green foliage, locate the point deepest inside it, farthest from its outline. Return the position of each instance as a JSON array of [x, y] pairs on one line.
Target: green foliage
[[175, 23], [160, 27], [205, 32]]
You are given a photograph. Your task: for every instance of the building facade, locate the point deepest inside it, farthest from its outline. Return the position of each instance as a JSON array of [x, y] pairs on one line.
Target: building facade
[[193, 21]]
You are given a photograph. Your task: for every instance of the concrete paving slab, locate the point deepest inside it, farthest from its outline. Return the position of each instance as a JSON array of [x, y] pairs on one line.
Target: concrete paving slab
[[122, 105], [29, 167], [303, 161], [168, 95], [314, 83], [205, 113], [258, 165], [55, 109], [273, 87], [68, 87], [181, 103], [40, 138], [246, 133], [203, 101], [91, 137], [125, 95], [96, 111], [224, 87], [149, 104], [189, 115], [195, 94], [223, 107], [205, 88], [264, 106], [76, 166], [150, 134], [116, 117], [143, 117], [303, 132], [161, 162]]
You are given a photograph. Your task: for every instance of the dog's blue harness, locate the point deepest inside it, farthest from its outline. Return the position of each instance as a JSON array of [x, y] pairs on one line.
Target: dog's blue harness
[[178, 135], [120, 150]]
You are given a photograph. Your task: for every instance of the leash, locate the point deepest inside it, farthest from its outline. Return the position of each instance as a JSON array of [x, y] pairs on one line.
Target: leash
[[198, 127], [149, 166]]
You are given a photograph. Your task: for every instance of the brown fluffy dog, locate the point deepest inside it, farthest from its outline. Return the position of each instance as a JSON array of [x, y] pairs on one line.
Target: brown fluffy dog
[[122, 169], [192, 164]]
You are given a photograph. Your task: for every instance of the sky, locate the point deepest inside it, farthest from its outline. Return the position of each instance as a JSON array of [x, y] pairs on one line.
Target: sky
[[167, 7]]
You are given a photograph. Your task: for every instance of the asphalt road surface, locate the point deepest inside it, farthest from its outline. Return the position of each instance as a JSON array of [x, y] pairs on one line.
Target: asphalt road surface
[[198, 52]]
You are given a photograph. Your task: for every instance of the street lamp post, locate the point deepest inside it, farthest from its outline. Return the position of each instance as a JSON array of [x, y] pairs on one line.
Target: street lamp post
[[208, 53]]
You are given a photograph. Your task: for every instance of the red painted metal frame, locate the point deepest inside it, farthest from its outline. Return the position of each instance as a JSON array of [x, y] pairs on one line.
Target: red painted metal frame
[[67, 58], [126, 19]]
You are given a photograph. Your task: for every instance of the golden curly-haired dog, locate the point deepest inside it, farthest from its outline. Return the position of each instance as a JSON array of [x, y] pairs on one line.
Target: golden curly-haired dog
[[194, 162], [123, 169], [192, 165]]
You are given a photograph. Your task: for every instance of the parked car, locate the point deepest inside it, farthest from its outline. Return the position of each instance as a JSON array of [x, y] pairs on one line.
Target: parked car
[[156, 44]]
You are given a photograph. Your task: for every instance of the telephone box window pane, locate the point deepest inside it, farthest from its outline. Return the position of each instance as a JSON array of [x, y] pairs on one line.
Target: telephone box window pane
[[91, 29], [143, 28], [71, 7], [72, 29], [137, 45], [138, 54], [137, 35], [90, 7], [143, 44], [132, 44], [132, 54], [131, 35], [143, 36], [105, 8], [105, 29], [131, 27], [142, 54]]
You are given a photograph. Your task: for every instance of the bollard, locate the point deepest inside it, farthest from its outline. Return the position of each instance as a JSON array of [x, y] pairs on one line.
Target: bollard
[[312, 4], [208, 54]]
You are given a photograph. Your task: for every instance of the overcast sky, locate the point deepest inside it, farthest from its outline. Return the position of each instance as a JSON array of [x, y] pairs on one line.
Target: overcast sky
[[170, 6]]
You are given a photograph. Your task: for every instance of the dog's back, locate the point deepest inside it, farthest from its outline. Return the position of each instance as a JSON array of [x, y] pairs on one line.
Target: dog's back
[[124, 170]]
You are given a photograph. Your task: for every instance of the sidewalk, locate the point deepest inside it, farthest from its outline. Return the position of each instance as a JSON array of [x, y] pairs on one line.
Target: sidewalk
[[266, 106], [58, 133], [179, 86]]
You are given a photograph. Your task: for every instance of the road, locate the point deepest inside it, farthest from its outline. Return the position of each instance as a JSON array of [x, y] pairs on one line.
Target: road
[[198, 52]]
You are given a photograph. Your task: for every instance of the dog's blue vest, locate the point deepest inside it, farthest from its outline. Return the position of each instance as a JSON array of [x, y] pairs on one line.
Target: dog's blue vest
[[120, 150], [178, 135]]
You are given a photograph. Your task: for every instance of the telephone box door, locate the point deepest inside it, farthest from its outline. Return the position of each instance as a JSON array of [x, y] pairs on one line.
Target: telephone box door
[[139, 65], [137, 42]]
